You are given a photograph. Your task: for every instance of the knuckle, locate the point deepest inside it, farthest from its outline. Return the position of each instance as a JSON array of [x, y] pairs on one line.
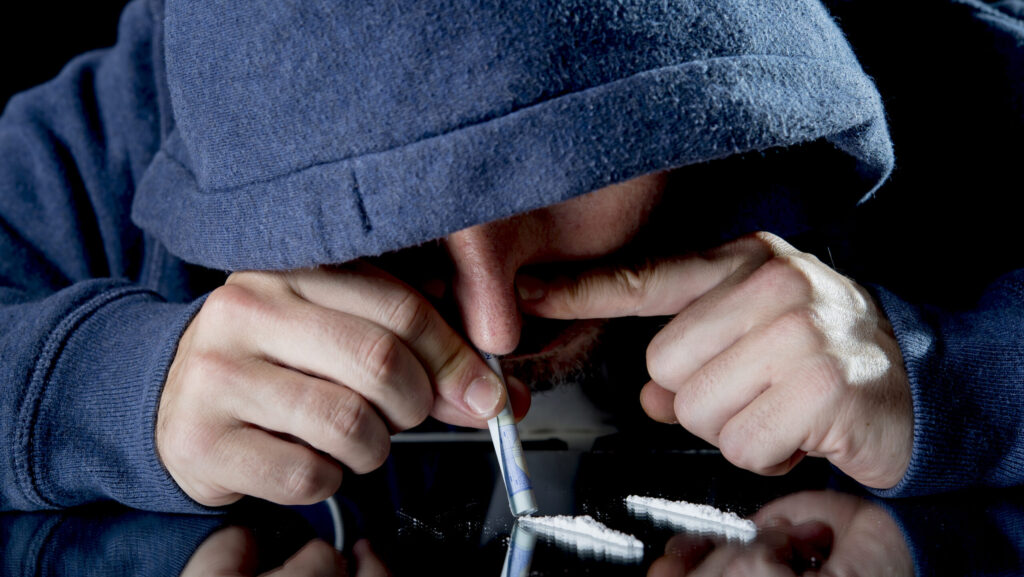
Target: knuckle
[[748, 445], [187, 433], [261, 279], [688, 413], [800, 325], [209, 369], [383, 356], [453, 358], [377, 453], [305, 482], [749, 252], [771, 243], [346, 419], [228, 302], [630, 279], [220, 303], [627, 284], [736, 446], [695, 415], [740, 256], [353, 424], [203, 374], [635, 280], [189, 445], [408, 314], [419, 411], [755, 446], [242, 277], [784, 275], [702, 385]]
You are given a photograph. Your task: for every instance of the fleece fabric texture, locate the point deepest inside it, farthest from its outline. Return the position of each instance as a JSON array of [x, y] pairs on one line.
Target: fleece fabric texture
[[92, 308], [279, 134], [438, 115]]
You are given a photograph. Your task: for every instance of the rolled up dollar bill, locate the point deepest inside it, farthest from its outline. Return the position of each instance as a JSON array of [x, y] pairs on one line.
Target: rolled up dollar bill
[[509, 450]]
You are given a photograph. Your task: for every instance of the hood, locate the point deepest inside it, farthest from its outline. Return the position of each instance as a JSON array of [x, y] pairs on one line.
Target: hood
[[317, 131]]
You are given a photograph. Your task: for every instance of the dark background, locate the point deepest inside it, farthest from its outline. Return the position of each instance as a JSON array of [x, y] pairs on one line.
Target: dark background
[[38, 38]]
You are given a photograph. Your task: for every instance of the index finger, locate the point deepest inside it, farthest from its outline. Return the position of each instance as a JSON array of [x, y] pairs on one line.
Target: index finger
[[651, 288], [469, 392]]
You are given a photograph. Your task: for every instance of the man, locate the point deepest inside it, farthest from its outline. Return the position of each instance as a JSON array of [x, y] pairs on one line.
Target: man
[[481, 148]]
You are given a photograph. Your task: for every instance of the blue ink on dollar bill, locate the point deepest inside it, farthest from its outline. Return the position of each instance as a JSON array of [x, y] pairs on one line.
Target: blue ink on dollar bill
[[515, 465]]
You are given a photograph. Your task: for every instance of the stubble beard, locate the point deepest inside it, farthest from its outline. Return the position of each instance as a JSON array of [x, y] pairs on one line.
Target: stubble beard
[[569, 358]]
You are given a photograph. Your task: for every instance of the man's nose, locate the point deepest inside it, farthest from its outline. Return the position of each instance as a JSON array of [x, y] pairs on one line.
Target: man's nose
[[485, 258]]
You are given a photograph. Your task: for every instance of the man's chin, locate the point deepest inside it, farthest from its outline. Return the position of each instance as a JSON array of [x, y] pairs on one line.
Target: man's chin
[[564, 358]]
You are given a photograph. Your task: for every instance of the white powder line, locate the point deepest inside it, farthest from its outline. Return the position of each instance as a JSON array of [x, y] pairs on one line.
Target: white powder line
[[586, 536], [693, 517]]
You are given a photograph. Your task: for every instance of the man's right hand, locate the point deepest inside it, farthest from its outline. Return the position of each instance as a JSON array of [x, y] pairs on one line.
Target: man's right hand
[[283, 377]]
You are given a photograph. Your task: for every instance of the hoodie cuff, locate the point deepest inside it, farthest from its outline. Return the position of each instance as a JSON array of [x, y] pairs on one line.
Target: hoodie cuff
[[93, 427], [966, 390]]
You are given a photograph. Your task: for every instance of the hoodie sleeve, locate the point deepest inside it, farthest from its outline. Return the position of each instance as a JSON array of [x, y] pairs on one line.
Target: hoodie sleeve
[[966, 371], [943, 235], [85, 343]]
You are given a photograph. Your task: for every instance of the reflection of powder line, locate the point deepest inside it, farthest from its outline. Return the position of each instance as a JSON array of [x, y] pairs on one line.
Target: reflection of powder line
[[693, 517], [586, 535]]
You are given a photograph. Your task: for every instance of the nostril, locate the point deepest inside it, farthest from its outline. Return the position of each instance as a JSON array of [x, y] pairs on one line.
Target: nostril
[[489, 336]]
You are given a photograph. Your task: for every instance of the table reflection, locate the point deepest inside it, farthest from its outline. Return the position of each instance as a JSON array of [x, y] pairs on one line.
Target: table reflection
[[439, 508], [251, 539], [823, 531]]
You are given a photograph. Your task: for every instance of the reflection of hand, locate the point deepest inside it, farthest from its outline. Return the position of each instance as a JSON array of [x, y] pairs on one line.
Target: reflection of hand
[[282, 377], [229, 553], [826, 532], [771, 355]]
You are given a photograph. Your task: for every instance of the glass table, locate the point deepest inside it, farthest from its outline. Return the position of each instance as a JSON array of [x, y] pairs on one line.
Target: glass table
[[438, 507]]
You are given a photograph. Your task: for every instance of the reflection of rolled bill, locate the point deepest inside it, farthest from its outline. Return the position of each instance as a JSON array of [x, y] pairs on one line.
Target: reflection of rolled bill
[[509, 450], [520, 552]]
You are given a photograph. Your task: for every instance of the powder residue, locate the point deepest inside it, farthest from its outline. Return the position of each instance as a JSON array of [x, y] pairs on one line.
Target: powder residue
[[693, 517], [586, 535]]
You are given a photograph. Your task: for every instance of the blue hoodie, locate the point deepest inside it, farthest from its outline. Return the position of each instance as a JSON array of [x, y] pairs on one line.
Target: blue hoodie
[[221, 135]]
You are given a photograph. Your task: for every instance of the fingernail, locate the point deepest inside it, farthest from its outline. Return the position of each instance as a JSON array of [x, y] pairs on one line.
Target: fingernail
[[483, 395], [529, 288]]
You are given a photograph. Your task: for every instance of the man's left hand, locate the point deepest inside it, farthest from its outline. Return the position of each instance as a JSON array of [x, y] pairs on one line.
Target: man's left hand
[[770, 356]]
